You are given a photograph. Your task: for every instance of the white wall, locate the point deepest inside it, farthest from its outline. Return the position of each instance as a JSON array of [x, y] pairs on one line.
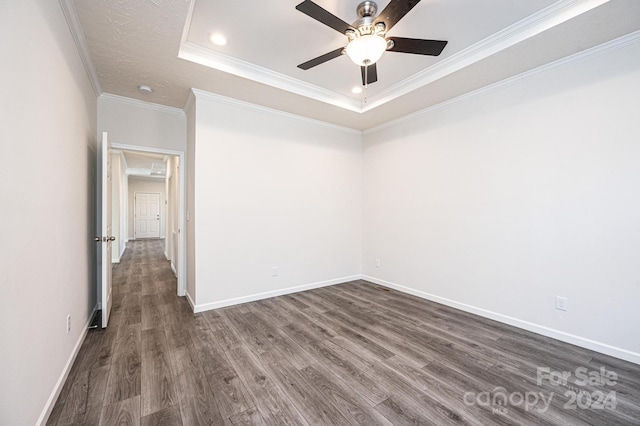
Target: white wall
[[48, 149], [116, 205], [146, 185], [173, 200], [190, 110], [504, 200], [143, 124], [272, 190]]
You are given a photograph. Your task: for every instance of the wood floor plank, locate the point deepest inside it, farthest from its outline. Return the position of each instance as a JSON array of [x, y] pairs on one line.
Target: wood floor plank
[[121, 413], [249, 333], [350, 374], [197, 403], [228, 391], [313, 406], [275, 408], [86, 398], [166, 417], [151, 314], [124, 374], [279, 316], [349, 403], [280, 341], [251, 417], [157, 377], [314, 302]]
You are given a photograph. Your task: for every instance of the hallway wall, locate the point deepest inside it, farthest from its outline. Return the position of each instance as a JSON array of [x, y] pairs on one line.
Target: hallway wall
[[133, 122], [47, 182]]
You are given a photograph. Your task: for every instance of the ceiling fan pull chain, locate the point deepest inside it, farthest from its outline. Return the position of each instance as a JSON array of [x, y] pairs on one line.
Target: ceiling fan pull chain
[[366, 77], [366, 82]]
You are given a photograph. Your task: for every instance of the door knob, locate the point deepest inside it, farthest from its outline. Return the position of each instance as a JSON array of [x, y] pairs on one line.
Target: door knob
[[111, 238], [97, 239]]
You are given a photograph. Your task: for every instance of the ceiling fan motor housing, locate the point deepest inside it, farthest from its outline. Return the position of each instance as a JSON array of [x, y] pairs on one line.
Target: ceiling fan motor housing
[[367, 11], [367, 8]]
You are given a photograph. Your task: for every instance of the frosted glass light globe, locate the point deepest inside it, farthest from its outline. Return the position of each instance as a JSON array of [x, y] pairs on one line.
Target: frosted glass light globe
[[366, 50]]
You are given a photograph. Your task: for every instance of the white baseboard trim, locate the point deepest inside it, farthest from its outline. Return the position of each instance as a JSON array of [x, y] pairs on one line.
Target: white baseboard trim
[[191, 302], [173, 268], [273, 293], [525, 325], [123, 250], [46, 412]]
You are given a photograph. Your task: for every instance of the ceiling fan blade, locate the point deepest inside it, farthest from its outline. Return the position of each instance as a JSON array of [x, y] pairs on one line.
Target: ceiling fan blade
[[395, 11], [371, 74], [321, 59], [417, 46], [314, 11]]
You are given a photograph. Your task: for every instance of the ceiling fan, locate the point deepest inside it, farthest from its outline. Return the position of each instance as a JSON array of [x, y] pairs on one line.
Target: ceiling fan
[[367, 35]]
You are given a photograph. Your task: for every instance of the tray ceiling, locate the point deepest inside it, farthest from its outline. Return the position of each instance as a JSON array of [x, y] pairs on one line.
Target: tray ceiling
[[166, 44]]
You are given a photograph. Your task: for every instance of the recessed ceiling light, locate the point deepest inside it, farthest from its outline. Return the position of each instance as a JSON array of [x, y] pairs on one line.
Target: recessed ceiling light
[[218, 39], [356, 90], [143, 88]]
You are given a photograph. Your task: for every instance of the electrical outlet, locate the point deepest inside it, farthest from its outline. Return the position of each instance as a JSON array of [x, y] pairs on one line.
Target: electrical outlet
[[275, 271], [68, 323], [562, 303], [377, 263]]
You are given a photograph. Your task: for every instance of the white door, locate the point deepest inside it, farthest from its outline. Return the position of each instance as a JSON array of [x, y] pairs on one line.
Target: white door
[[105, 238], [147, 215]]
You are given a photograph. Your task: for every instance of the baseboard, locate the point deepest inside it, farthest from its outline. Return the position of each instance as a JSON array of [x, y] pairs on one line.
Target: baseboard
[[123, 250], [525, 325], [173, 268], [191, 302], [46, 412], [268, 294]]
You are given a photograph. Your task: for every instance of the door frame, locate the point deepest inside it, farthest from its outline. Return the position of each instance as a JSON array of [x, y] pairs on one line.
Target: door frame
[[160, 206], [103, 208], [182, 207]]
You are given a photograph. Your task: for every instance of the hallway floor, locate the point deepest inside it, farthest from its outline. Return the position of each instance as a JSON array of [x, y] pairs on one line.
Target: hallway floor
[[353, 353]]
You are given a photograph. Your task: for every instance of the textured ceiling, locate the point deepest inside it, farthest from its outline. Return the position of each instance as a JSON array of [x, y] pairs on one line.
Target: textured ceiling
[[139, 42]]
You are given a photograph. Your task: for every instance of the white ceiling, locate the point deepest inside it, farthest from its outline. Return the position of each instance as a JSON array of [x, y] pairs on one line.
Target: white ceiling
[[165, 44], [142, 164]]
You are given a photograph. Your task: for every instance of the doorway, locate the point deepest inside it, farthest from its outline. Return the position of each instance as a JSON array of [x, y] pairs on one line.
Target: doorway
[[156, 213]]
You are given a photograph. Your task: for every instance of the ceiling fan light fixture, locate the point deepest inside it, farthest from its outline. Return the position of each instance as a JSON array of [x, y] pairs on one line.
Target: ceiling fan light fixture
[[367, 49]]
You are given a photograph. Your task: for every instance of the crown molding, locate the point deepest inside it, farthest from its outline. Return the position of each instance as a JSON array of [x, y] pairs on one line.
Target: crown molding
[[73, 22], [200, 55], [142, 104], [190, 101], [187, 24], [602, 49], [201, 94], [531, 26]]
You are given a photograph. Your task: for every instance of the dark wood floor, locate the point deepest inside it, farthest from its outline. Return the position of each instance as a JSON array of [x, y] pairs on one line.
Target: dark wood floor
[[347, 354]]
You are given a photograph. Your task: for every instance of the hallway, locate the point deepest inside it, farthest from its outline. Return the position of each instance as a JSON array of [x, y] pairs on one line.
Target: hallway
[[124, 372]]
